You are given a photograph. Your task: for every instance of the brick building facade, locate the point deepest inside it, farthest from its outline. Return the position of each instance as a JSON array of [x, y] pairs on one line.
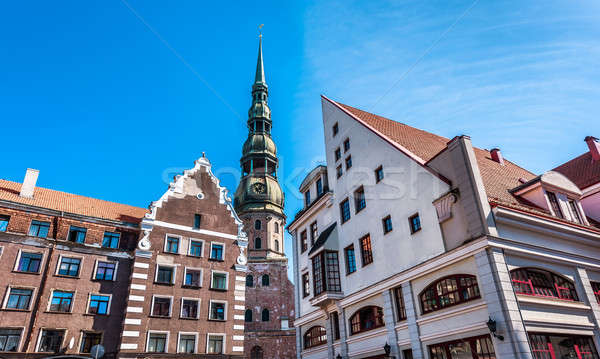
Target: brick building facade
[[259, 201]]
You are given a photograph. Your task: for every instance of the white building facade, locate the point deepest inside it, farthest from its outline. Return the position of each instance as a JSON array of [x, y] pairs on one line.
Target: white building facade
[[411, 245]]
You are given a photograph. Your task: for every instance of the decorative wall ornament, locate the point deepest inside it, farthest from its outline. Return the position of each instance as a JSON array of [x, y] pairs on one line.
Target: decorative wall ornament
[[241, 259], [144, 243], [443, 205]]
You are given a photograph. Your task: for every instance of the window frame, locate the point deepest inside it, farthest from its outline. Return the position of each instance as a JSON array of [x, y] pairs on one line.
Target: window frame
[[339, 171], [459, 292], [347, 260], [174, 274], [20, 256], [78, 230], [19, 342], [195, 334], [348, 162], [342, 204], [303, 241], [399, 304], [377, 171], [115, 270], [162, 296], [249, 281], [314, 232], [41, 335], [223, 342], [574, 211], [346, 145], [4, 221], [185, 272], [316, 338], [40, 224], [337, 154], [596, 289], [112, 235], [198, 303], [49, 308], [212, 277], [189, 252], [8, 293], [59, 263], [305, 283], [411, 223], [554, 204], [197, 221], [166, 244], [167, 335], [222, 251], [319, 186], [378, 318], [262, 315], [216, 301], [335, 129], [384, 223], [360, 199], [554, 289], [89, 302], [366, 254]]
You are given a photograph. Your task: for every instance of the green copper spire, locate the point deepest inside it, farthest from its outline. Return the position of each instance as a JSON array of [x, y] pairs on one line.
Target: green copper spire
[[260, 70]]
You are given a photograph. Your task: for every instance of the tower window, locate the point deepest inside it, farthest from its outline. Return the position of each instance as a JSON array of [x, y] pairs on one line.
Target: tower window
[[276, 227], [257, 224], [276, 246], [319, 187], [257, 243], [335, 129], [265, 280], [265, 315], [307, 198], [259, 126]]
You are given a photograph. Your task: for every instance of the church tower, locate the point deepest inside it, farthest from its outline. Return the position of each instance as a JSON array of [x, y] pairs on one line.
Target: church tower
[[259, 202]]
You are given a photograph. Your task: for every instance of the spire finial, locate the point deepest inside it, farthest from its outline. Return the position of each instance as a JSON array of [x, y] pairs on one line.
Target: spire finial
[[260, 71]]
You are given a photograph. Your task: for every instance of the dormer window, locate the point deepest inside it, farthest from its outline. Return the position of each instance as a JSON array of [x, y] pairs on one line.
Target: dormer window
[[554, 204], [319, 187], [574, 211], [307, 198]]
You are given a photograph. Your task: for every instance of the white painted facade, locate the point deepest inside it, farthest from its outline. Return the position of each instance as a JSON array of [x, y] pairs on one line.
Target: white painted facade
[[463, 233]]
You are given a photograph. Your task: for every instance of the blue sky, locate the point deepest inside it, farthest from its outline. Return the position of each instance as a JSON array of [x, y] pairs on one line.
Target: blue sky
[[111, 98]]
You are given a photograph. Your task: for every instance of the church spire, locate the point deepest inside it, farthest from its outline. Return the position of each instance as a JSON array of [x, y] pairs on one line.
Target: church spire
[[259, 78]]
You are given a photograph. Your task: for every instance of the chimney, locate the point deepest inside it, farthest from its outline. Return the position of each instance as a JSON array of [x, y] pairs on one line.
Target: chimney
[[594, 146], [497, 156], [29, 182]]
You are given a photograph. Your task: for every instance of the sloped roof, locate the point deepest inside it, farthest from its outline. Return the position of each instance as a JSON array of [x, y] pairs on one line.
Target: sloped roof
[[71, 203], [323, 237], [498, 179], [582, 170]]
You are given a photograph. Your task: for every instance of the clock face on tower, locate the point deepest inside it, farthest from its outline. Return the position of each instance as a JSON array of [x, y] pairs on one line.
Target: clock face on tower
[[259, 188]]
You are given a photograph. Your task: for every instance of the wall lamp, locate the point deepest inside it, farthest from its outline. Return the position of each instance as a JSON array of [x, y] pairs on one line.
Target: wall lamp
[[491, 323]]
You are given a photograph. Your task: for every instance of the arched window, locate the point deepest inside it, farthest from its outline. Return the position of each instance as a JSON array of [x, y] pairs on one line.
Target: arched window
[[256, 352], [265, 280], [276, 245], [315, 336], [366, 318], [257, 243], [248, 315], [448, 291], [249, 280], [276, 227], [257, 224], [265, 315], [542, 283]]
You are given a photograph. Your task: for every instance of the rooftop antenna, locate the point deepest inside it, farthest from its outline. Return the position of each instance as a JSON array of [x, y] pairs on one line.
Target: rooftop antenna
[[260, 30]]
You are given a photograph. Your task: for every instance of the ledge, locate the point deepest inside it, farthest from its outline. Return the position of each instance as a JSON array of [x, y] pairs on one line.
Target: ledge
[[552, 302]]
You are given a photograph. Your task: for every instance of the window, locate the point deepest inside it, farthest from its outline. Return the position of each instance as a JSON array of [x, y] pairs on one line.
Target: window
[[165, 275], [338, 171], [285, 323], [335, 129], [400, 307], [319, 187], [4, 224], [216, 251], [257, 224], [39, 229], [365, 250], [99, 304], [313, 232], [217, 311], [365, 319], [193, 278], [77, 234], [189, 308], [378, 174], [276, 243], [276, 227], [335, 325], [449, 291], [475, 347], [256, 352], [596, 289], [197, 221], [219, 281], [257, 243], [161, 306], [265, 315], [315, 336], [326, 272], [215, 344], [248, 315], [347, 145], [541, 283], [172, 245], [196, 248], [61, 301], [415, 223], [69, 266], [408, 354], [187, 343], [338, 154], [359, 199], [307, 198], [305, 285], [111, 240], [303, 241], [249, 281], [10, 339], [348, 163], [51, 340], [29, 262], [105, 270], [387, 224], [265, 280], [574, 211], [350, 259], [157, 342], [554, 204], [345, 210], [19, 298]]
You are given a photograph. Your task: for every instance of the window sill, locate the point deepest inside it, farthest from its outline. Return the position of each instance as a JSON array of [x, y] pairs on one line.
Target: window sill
[[216, 320], [56, 312], [24, 272], [193, 256], [165, 284], [216, 260], [195, 287], [96, 315], [417, 231], [16, 310], [551, 301], [184, 318], [159, 316], [218, 290], [66, 276]]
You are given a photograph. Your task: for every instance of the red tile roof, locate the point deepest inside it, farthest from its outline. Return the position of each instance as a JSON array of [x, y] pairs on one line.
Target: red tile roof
[[71, 203], [582, 170], [498, 179]]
